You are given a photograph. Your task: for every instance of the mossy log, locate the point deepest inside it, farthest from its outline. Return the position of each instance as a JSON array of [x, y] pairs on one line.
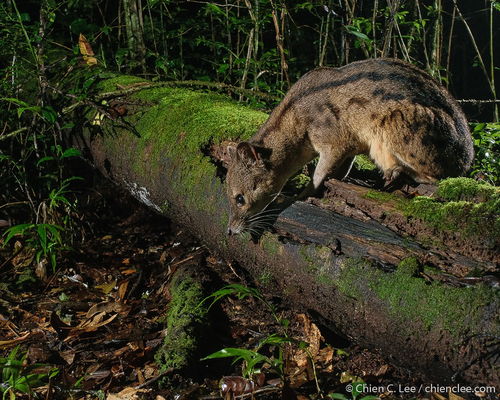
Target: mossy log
[[411, 277]]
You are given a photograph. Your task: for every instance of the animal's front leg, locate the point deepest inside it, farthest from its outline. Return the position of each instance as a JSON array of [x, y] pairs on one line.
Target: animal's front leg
[[329, 165]]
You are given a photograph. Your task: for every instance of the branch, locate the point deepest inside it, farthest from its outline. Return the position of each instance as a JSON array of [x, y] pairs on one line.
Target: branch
[[14, 133]]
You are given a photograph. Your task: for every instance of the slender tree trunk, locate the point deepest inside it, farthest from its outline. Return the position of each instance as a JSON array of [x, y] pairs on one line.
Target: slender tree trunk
[[324, 36], [134, 29], [247, 60], [437, 41], [279, 43]]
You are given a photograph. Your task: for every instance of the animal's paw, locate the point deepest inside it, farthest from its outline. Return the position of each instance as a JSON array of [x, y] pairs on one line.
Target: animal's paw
[[391, 174]]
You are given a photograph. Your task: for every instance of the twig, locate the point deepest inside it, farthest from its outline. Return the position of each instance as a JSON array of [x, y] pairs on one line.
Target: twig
[[15, 203], [14, 133], [265, 389], [211, 85], [153, 380], [475, 101], [474, 44]]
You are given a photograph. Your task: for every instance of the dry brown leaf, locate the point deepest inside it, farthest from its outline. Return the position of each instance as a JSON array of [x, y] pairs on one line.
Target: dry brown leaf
[[129, 393], [129, 271], [91, 324], [325, 358], [453, 396], [437, 396], [122, 290], [86, 50], [311, 335], [25, 256], [105, 306], [68, 356], [299, 362]]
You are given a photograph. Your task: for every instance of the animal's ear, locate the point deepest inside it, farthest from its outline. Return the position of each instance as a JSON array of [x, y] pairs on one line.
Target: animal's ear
[[231, 152], [247, 152]]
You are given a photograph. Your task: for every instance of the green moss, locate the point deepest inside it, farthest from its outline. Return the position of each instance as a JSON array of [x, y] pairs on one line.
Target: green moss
[[319, 261], [409, 266], [461, 211], [409, 298], [364, 163], [299, 182], [351, 272], [112, 84], [265, 277], [174, 127], [184, 320], [271, 244], [471, 219], [383, 197], [456, 189]]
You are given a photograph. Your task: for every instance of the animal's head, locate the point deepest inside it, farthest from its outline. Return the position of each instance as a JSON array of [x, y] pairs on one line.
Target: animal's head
[[251, 186]]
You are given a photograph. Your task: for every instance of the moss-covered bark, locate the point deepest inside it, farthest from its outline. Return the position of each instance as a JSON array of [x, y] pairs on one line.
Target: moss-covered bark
[[168, 169], [185, 322]]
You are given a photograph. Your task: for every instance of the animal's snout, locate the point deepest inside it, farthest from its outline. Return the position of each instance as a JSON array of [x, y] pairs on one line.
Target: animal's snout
[[233, 229]]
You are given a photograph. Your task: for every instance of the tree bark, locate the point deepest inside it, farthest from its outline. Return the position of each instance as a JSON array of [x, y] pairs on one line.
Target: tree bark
[[134, 27], [359, 261]]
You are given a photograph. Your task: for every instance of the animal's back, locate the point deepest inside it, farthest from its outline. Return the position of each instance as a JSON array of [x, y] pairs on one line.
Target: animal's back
[[388, 109]]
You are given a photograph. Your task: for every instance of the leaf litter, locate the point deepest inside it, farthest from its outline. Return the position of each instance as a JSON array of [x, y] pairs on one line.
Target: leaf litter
[[98, 320]]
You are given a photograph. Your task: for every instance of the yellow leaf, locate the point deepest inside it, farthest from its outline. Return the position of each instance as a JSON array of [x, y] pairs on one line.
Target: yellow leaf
[[85, 48], [106, 288]]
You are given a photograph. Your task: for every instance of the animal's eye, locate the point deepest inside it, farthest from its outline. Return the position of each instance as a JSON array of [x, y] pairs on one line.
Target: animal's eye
[[240, 200]]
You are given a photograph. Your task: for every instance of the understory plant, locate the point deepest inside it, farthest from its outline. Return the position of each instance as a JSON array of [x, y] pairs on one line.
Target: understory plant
[[18, 377]]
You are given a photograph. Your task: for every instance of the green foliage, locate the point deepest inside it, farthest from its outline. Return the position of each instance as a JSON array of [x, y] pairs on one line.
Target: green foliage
[[486, 165], [18, 377], [45, 239], [462, 205], [254, 360], [355, 389], [37, 186]]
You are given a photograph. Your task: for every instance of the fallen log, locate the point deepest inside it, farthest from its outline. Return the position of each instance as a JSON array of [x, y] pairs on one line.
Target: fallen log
[[411, 277]]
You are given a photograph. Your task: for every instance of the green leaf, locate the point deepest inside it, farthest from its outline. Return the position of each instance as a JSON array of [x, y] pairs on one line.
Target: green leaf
[[63, 297], [71, 152], [42, 235], [338, 396], [49, 114], [240, 291], [275, 340], [357, 388], [45, 159], [232, 352], [20, 229], [15, 101], [352, 30]]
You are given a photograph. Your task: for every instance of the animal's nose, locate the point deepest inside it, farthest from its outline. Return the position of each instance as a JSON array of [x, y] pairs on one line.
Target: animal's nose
[[229, 231]]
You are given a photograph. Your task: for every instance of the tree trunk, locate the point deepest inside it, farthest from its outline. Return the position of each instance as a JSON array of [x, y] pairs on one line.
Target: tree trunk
[[134, 27], [379, 268]]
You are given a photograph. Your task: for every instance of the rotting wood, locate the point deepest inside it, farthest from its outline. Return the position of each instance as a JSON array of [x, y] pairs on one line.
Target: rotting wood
[[353, 274]]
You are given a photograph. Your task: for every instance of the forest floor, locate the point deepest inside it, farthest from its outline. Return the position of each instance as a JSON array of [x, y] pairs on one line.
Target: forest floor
[[98, 320]]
